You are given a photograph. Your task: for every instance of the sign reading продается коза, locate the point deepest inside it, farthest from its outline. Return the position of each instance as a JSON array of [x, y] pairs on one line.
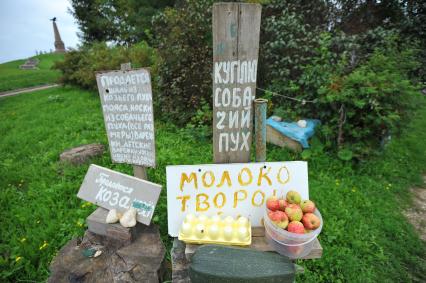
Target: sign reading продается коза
[[126, 98], [113, 190]]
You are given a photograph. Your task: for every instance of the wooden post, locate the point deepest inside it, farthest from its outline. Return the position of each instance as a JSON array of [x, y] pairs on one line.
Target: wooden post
[[236, 28], [260, 107], [138, 171]]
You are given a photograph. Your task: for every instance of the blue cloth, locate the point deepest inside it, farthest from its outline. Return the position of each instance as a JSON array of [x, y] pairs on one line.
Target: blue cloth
[[293, 131]]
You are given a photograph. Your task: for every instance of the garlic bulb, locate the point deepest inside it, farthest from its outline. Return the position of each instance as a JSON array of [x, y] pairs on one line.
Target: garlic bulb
[[129, 218], [113, 216], [302, 123]]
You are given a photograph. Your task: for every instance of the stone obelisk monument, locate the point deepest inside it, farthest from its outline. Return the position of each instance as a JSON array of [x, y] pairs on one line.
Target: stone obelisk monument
[[59, 44]]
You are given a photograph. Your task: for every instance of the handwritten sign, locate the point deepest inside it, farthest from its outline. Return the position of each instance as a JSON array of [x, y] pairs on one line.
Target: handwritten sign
[[236, 29], [230, 189], [126, 98], [110, 189]]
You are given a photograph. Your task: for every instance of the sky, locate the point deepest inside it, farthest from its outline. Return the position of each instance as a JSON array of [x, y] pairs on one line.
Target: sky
[[25, 27]]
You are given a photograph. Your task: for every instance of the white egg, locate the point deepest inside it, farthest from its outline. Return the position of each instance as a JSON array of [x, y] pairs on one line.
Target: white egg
[[242, 233], [190, 218], [214, 231], [228, 220], [186, 228], [202, 218], [200, 230], [242, 221], [215, 219], [228, 233]]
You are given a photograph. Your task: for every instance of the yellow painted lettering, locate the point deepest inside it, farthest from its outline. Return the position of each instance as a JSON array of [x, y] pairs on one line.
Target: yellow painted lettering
[[216, 202], [212, 178], [225, 177], [202, 205], [183, 199], [253, 199], [264, 176], [184, 178], [279, 176], [237, 198], [240, 177]]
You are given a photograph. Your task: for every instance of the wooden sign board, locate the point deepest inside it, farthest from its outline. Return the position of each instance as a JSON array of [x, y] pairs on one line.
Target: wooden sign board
[[230, 189], [110, 189], [126, 98], [236, 28]]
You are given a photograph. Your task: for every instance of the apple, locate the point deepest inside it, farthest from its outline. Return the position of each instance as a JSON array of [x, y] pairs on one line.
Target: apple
[[307, 206], [272, 203], [283, 204], [279, 218], [294, 212], [311, 221], [293, 197], [296, 227]]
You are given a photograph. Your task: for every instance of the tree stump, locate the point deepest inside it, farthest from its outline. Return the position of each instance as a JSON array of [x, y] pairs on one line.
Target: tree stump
[[140, 261], [81, 154]]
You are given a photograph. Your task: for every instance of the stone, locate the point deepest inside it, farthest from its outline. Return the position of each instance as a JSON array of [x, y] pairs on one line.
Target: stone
[[81, 154], [30, 64], [180, 264], [141, 261]]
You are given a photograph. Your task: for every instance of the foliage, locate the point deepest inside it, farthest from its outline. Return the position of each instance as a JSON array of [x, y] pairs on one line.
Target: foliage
[[79, 66], [183, 38], [119, 21], [11, 77], [40, 211]]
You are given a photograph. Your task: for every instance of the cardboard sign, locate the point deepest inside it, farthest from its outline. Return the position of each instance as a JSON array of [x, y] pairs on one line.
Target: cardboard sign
[[126, 98], [110, 189], [230, 189], [236, 28]]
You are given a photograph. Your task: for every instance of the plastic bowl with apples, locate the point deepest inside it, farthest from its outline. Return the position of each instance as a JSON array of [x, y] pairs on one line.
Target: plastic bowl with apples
[[290, 244]]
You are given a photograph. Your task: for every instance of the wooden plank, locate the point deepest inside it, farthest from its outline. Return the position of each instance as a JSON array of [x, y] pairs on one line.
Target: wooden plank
[[110, 189], [275, 137], [236, 29], [126, 98], [260, 244]]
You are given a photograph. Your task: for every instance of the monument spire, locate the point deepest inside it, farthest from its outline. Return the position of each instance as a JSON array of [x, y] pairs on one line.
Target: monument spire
[[59, 44]]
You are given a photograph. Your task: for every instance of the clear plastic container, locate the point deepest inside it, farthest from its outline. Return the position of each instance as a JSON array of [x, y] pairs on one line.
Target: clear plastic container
[[289, 244]]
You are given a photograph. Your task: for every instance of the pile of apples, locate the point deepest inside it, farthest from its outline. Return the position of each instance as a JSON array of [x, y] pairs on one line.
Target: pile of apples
[[293, 214]]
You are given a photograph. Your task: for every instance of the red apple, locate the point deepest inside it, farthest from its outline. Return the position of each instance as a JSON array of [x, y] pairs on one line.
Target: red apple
[[294, 212], [272, 203], [279, 218], [311, 221], [307, 206], [296, 227], [283, 204], [293, 197]]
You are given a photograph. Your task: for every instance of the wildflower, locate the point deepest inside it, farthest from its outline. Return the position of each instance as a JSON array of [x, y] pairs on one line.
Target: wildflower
[[23, 240], [45, 244], [18, 258], [79, 224]]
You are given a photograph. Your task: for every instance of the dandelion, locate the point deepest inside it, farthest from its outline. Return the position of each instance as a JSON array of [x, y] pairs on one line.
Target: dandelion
[[23, 240], [18, 258], [45, 244]]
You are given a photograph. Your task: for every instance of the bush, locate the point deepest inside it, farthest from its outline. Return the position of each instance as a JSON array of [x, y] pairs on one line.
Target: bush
[[361, 99], [184, 41], [79, 66]]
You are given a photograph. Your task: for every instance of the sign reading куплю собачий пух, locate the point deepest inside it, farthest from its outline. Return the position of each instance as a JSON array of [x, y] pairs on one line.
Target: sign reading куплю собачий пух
[[230, 189], [126, 98]]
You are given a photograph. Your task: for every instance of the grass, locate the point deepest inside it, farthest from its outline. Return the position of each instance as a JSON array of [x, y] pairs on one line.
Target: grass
[[11, 77], [365, 236]]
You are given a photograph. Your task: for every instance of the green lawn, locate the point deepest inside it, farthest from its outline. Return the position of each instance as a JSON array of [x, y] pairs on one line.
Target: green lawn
[[11, 77], [365, 236]]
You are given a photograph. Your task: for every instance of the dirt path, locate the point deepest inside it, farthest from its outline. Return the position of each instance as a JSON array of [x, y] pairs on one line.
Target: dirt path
[[417, 214], [25, 90]]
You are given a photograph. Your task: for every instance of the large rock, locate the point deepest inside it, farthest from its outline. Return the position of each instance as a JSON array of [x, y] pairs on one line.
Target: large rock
[[180, 264], [141, 261], [81, 154]]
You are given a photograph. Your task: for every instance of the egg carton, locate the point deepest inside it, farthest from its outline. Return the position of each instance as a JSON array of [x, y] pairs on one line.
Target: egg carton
[[215, 230]]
